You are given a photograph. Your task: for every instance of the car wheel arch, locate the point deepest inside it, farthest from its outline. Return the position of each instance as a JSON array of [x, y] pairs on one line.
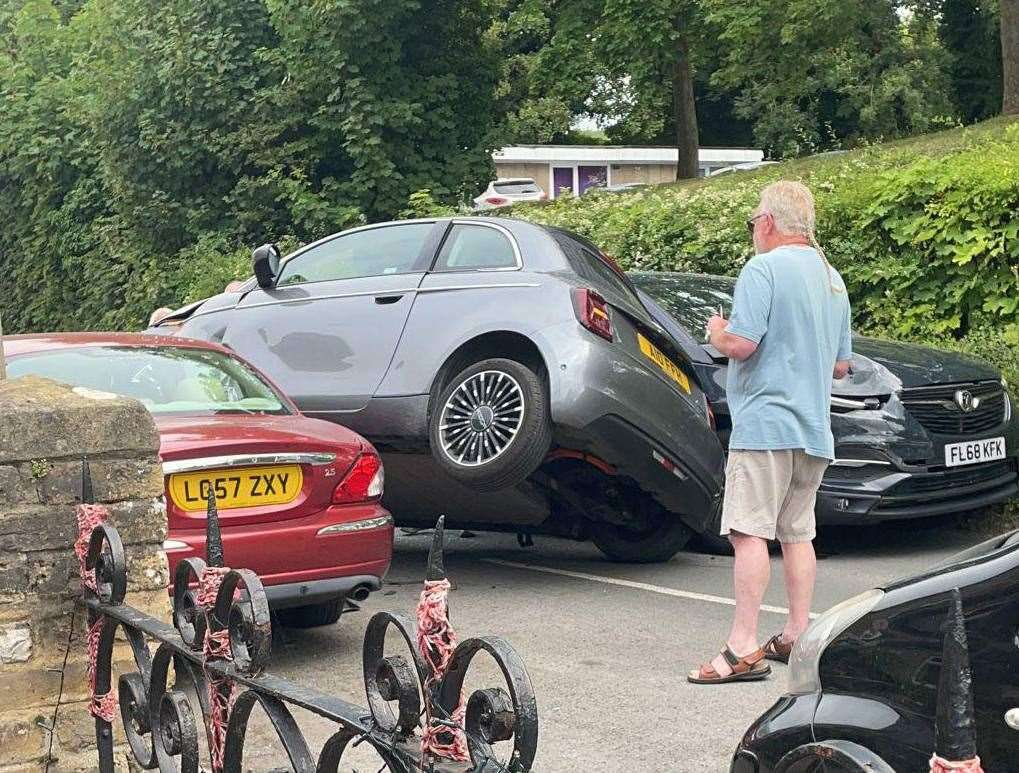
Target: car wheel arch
[[496, 343]]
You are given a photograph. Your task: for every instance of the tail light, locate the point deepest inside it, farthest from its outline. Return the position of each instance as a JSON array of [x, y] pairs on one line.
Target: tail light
[[592, 312], [364, 481], [711, 417], [496, 201], [544, 196]]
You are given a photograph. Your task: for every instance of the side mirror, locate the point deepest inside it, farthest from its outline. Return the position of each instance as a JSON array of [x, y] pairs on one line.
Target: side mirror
[[266, 263]]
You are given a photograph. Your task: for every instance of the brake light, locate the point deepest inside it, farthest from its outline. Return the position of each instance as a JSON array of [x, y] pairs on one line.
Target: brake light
[[592, 312], [544, 196], [364, 481], [496, 201], [711, 417]]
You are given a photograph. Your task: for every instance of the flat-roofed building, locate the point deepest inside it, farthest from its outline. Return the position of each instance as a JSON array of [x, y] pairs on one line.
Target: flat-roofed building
[[579, 167]]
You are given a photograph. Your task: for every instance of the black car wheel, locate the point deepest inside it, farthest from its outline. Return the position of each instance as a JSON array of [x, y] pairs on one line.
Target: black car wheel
[[312, 615], [661, 536], [832, 757], [490, 427]]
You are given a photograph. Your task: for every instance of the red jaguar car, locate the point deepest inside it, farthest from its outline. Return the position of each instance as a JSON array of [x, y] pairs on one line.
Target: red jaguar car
[[298, 498]]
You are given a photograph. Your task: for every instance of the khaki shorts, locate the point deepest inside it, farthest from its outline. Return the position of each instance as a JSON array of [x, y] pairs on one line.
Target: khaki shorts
[[772, 494]]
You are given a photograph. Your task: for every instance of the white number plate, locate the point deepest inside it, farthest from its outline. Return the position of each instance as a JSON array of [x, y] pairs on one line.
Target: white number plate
[[974, 451]]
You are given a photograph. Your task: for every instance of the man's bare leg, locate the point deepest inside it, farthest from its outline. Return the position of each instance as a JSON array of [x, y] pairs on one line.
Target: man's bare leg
[[799, 565], [751, 574]]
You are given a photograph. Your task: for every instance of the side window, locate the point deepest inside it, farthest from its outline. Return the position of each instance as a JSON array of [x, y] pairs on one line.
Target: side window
[[475, 247], [391, 249]]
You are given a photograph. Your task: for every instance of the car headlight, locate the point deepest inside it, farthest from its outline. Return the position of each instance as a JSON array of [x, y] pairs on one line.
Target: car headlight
[[806, 656]]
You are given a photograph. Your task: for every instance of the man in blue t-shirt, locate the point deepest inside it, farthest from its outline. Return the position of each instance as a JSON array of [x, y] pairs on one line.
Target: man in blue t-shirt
[[787, 337]]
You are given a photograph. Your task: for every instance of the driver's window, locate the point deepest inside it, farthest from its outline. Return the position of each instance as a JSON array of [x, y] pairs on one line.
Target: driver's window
[[394, 249]]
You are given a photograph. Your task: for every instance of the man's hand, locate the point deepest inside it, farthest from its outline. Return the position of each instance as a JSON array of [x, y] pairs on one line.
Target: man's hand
[[732, 346], [716, 324]]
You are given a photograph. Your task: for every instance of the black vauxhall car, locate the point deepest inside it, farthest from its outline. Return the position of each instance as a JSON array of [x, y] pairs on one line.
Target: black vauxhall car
[[918, 431]]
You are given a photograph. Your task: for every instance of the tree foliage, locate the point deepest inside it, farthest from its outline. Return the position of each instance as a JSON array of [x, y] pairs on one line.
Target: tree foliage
[[140, 133], [970, 32], [816, 76]]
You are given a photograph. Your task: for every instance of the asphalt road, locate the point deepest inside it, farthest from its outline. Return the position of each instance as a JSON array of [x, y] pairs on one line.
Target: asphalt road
[[607, 645]]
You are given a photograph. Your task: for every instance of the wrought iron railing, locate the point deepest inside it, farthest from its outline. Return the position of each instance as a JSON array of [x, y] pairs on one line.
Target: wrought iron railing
[[417, 717]]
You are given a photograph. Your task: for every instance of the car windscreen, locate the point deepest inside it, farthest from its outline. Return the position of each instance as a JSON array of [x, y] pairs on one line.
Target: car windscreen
[[690, 298], [514, 187], [163, 379]]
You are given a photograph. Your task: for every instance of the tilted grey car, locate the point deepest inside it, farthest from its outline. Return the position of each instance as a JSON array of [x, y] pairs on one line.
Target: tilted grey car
[[507, 371]]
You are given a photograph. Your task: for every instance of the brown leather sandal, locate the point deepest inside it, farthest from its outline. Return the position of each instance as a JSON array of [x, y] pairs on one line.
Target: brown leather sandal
[[776, 649], [746, 669]]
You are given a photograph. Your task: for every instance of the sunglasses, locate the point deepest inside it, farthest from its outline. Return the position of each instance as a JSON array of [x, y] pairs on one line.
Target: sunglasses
[[752, 221]]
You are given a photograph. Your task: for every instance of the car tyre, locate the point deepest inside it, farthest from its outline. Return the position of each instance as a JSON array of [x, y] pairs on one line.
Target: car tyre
[[491, 426], [313, 615], [664, 536]]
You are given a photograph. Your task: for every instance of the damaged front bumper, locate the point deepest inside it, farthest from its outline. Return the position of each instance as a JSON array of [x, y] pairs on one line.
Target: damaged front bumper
[[890, 467]]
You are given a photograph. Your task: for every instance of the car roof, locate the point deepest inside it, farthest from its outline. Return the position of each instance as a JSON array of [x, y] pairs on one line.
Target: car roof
[[31, 343]]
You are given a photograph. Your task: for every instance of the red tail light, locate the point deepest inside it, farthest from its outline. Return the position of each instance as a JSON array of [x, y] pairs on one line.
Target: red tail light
[[711, 417], [544, 196], [496, 201], [593, 312], [364, 481]]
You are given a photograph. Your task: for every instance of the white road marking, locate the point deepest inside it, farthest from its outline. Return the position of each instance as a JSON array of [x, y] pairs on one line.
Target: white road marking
[[683, 594]]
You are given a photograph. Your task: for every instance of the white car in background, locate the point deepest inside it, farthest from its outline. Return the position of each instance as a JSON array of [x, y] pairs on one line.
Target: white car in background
[[507, 191], [740, 167]]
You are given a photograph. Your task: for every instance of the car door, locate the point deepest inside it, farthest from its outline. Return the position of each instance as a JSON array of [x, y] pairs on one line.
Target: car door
[[328, 329]]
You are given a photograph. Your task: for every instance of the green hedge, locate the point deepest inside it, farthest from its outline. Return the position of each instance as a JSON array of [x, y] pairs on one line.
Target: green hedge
[[925, 232]]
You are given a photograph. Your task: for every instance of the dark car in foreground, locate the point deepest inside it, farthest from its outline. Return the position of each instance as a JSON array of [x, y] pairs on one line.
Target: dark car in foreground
[[508, 371], [867, 671], [298, 498], [918, 431]]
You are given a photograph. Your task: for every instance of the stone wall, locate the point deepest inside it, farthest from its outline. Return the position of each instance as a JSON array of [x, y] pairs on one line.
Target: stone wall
[[45, 429]]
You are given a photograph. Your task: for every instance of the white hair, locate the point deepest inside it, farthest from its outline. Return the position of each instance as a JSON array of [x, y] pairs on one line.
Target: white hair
[[791, 206]]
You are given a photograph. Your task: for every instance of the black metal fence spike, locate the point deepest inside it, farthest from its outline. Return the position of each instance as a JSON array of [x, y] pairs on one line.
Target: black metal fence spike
[[956, 723], [436, 561], [88, 496], [213, 536]]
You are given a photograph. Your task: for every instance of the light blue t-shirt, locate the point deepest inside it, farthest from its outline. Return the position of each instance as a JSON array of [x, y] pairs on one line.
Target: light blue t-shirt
[[780, 396]]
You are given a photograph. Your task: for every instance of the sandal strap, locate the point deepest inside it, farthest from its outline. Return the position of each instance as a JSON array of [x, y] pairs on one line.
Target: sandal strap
[[707, 671], [777, 646], [730, 657], [742, 665]]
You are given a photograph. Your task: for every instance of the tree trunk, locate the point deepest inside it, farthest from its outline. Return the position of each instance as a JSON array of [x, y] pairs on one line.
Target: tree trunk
[[1010, 56], [684, 111]]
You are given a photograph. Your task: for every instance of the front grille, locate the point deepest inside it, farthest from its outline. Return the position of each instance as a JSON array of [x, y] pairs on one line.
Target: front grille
[[948, 481], [938, 411]]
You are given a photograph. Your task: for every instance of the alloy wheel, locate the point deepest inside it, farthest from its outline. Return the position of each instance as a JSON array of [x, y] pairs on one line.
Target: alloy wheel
[[481, 418]]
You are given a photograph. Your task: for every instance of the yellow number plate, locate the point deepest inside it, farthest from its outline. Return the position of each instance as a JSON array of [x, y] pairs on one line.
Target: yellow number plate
[[656, 356], [242, 487]]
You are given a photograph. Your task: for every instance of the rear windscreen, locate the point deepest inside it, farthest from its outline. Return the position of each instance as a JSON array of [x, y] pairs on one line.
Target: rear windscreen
[[517, 187], [588, 261]]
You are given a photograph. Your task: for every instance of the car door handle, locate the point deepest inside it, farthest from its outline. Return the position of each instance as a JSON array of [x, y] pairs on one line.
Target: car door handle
[[386, 300], [1012, 718]]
